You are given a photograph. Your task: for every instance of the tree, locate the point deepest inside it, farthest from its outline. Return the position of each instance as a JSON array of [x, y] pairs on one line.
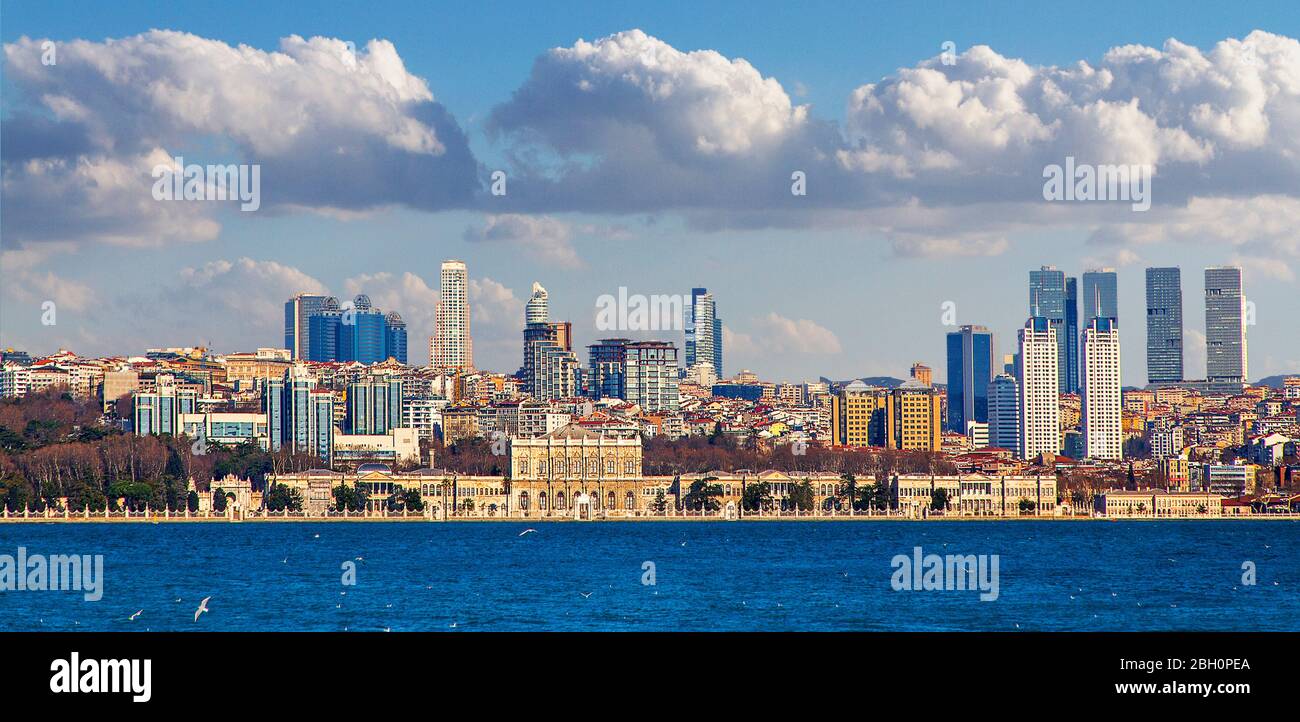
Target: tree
[[192, 501], [849, 489], [939, 499], [281, 497], [757, 497], [701, 495], [1026, 506], [350, 498], [801, 495], [219, 501], [660, 504]]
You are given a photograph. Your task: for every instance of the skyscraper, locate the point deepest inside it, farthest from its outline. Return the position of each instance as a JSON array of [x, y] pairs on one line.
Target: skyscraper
[[1164, 325], [1054, 297], [297, 314], [1004, 410], [451, 346], [1100, 295], [1103, 423], [913, 417], [703, 331], [362, 330], [536, 309], [970, 368], [1039, 419], [299, 416], [640, 372], [1225, 326], [374, 405], [395, 337]]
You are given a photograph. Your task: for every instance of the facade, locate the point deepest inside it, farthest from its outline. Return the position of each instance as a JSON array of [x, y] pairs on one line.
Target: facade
[[397, 446], [1225, 326], [299, 416], [1039, 419], [424, 414], [1102, 406], [574, 471], [703, 332], [978, 434], [395, 337], [297, 331], [1164, 325], [226, 428], [1004, 412], [537, 310], [451, 346], [976, 494], [970, 369], [1166, 441], [1157, 503], [159, 411]]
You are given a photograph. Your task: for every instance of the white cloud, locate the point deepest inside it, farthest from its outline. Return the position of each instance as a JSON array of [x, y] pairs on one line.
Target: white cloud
[[782, 334], [545, 238]]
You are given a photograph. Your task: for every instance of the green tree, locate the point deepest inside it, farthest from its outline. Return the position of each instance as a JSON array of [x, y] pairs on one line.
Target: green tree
[[1026, 506], [660, 504], [192, 501], [219, 502], [801, 495], [702, 493], [939, 499], [757, 497], [281, 497], [849, 489]]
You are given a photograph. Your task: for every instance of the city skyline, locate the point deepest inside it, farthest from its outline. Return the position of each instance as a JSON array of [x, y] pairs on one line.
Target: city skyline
[[852, 283]]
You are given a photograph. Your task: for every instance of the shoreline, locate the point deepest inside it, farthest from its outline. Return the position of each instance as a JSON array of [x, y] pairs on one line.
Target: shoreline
[[660, 519]]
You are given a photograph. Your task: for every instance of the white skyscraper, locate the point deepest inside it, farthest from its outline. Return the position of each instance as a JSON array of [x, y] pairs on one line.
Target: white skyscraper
[[1040, 411], [536, 310], [1103, 422], [450, 346]]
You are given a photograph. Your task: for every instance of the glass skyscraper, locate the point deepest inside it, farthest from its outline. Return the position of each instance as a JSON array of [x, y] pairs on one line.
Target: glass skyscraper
[[1164, 325], [361, 333], [1054, 297], [703, 331], [374, 405], [1225, 325], [1100, 295], [970, 369], [299, 416], [640, 372], [297, 314]]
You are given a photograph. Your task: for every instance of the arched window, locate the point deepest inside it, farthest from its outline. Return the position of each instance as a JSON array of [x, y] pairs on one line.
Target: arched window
[[559, 500], [541, 501], [595, 502], [611, 501], [629, 501], [523, 501]]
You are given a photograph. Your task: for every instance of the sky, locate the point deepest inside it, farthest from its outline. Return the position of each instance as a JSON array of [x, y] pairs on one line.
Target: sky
[[644, 147]]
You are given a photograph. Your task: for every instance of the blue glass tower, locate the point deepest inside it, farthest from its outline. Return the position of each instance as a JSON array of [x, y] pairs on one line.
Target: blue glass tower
[[970, 369]]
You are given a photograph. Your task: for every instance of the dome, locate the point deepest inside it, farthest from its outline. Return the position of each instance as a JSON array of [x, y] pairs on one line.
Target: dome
[[361, 302]]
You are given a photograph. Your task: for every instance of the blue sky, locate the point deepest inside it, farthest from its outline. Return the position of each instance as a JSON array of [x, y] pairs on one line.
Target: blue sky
[[853, 288]]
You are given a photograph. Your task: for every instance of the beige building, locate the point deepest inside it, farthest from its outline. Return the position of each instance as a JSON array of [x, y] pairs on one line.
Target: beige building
[[577, 471], [1157, 503], [977, 494]]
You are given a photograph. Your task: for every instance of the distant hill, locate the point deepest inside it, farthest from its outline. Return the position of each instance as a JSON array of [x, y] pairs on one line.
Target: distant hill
[[1274, 381]]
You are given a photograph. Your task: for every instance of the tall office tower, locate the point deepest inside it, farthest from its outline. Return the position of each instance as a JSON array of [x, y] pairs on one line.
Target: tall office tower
[[325, 325], [860, 416], [1100, 295], [970, 369], [451, 346], [1071, 336], [395, 337], [536, 309], [703, 331], [158, 411], [914, 417], [1053, 297], [299, 416], [1225, 325], [640, 372], [1102, 407], [1039, 382], [297, 314], [362, 331], [922, 373], [374, 405], [1004, 409], [1164, 325]]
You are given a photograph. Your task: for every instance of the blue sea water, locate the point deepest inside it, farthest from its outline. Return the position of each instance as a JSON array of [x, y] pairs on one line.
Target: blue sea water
[[771, 576]]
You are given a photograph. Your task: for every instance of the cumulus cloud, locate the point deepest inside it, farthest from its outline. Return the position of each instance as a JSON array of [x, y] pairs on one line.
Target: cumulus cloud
[[798, 336], [330, 128], [545, 238]]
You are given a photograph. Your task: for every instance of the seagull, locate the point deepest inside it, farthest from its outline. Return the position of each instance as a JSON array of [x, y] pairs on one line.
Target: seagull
[[388, 606], [317, 536], [285, 561], [360, 559], [527, 531], [452, 625], [587, 595], [203, 607], [133, 616]]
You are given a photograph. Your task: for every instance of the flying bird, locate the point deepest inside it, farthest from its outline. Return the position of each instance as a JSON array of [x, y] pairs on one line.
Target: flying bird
[[133, 616], [203, 607], [527, 531], [585, 595]]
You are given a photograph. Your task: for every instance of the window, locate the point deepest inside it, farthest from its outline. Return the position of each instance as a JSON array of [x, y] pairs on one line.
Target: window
[[629, 501]]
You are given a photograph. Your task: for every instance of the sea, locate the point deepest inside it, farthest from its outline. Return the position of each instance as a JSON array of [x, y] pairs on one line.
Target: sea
[[665, 576]]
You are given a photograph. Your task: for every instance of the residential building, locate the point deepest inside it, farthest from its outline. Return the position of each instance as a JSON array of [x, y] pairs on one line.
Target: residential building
[[1102, 406], [451, 346], [1039, 390]]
